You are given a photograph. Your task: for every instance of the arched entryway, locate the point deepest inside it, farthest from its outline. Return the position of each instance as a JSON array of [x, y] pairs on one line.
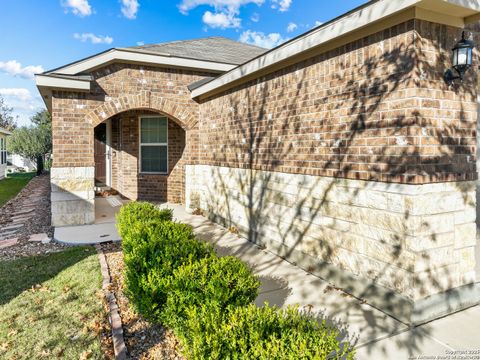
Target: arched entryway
[[73, 184], [139, 155]]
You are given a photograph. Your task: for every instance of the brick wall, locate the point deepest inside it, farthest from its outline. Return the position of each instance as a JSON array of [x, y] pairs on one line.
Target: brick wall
[[375, 109], [119, 88], [125, 164], [360, 158]]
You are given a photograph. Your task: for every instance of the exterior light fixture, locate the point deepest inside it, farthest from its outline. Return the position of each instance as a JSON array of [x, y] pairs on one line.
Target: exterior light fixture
[[462, 60]]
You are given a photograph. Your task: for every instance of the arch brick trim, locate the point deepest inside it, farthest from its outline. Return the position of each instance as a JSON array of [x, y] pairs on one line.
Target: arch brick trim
[[143, 100]]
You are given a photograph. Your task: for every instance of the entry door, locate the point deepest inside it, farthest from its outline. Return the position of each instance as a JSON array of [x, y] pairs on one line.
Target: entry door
[[99, 153]]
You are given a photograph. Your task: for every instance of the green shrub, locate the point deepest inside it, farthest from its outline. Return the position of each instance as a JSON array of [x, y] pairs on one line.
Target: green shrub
[[171, 276], [138, 211], [213, 282], [152, 251], [250, 332]]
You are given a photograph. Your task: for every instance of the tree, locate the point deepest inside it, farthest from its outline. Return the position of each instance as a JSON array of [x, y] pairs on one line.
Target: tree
[[7, 121], [33, 142], [42, 118]]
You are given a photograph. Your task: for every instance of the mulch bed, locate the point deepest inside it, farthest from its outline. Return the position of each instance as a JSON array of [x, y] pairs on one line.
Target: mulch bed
[[143, 339], [39, 223]]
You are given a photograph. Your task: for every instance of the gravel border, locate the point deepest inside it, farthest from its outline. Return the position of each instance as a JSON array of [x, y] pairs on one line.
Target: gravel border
[[119, 347]]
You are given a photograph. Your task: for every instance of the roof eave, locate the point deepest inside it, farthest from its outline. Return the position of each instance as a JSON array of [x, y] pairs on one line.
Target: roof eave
[[58, 82], [46, 83], [354, 21], [137, 57]]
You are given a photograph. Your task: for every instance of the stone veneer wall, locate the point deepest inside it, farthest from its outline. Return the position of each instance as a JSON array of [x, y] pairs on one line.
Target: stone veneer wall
[[72, 195], [415, 240], [360, 157], [118, 88]]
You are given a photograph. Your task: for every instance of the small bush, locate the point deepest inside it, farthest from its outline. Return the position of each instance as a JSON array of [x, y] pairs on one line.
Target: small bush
[[171, 276], [134, 212], [152, 251], [213, 282], [250, 332]]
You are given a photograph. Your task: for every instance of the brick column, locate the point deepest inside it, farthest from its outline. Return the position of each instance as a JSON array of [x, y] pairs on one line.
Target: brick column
[[72, 174]]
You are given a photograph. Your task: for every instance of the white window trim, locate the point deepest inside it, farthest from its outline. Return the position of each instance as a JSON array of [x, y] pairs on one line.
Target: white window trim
[[150, 144], [3, 151]]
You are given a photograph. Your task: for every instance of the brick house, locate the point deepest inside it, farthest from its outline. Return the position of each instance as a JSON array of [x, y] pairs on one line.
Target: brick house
[[342, 150]]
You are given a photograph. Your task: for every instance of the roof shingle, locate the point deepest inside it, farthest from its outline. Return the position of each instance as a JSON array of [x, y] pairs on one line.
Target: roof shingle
[[215, 49]]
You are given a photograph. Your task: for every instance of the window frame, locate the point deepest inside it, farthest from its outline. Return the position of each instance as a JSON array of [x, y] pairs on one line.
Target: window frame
[[3, 150], [140, 144]]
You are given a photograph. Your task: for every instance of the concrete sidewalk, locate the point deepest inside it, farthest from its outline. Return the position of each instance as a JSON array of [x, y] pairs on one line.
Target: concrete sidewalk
[[375, 334]]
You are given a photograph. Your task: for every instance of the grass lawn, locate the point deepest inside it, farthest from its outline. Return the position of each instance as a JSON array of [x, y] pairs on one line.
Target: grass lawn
[[51, 307], [12, 184]]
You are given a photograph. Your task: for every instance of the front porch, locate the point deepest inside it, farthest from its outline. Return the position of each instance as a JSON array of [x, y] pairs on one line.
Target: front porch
[[102, 230], [137, 155]]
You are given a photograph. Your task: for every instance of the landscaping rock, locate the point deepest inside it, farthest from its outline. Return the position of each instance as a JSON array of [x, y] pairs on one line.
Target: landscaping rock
[[6, 234], [12, 227], [7, 243], [26, 215], [23, 211], [39, 237]]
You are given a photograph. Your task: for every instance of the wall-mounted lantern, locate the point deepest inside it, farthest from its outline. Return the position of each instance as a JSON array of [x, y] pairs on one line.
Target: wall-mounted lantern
[[462, 60]]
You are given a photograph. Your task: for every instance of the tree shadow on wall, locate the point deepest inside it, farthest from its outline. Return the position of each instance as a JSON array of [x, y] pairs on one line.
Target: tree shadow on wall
[[357, 118]]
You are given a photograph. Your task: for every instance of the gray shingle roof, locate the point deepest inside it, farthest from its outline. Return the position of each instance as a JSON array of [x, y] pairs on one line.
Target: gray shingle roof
[[215, 49], [199, 83]]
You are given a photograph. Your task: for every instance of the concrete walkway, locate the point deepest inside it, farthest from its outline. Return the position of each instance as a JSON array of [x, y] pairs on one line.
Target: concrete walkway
[[103, 230], [376, 335]]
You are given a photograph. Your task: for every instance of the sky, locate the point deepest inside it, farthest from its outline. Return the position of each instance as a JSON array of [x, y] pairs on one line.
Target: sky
[[38, 35]]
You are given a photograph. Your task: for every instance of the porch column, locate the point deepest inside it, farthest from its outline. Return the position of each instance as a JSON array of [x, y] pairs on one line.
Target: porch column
[[73, 172]]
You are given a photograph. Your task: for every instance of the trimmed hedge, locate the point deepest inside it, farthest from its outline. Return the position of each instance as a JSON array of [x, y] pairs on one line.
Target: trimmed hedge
[[218, 282], [138, 212], [172, 277], [153, 248], [250, 332]]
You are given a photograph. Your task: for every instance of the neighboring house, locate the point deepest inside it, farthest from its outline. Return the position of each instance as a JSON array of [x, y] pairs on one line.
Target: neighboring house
[[17, 162], [3, 151], [342, 150]]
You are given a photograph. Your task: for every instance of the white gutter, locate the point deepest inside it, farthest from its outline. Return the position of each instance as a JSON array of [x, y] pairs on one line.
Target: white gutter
[[351, 22], [141, 58]]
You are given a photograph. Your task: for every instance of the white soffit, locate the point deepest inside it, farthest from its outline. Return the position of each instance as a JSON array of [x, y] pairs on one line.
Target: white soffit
[[61, 83], [364, 16]]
